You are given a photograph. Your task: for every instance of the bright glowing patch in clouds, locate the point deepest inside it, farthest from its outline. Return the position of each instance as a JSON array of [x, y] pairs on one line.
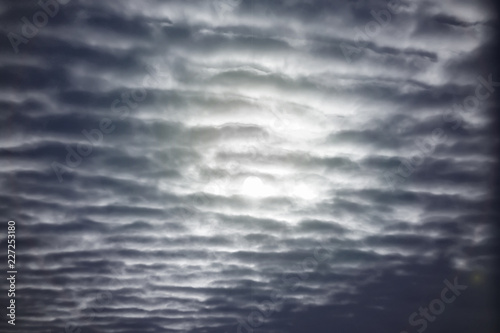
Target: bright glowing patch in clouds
[[254, 187], [305, 191]]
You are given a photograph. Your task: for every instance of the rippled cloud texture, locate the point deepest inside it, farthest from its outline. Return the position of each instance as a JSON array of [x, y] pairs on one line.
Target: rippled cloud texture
[[250, 166]]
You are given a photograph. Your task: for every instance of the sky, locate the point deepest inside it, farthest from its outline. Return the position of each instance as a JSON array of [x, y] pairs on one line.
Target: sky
[[279, 166]]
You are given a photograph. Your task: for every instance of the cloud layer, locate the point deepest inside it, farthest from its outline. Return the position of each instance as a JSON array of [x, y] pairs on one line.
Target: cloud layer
[[225, 166]]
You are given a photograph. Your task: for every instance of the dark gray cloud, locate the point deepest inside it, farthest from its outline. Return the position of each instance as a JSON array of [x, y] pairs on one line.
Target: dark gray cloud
[[249, 166]]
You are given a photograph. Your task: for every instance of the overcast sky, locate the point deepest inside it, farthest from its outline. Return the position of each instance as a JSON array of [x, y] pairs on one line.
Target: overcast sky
[[281, 166]]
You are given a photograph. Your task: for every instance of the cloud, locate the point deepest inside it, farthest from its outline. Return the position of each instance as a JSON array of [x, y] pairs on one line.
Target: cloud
[[244, 178]]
